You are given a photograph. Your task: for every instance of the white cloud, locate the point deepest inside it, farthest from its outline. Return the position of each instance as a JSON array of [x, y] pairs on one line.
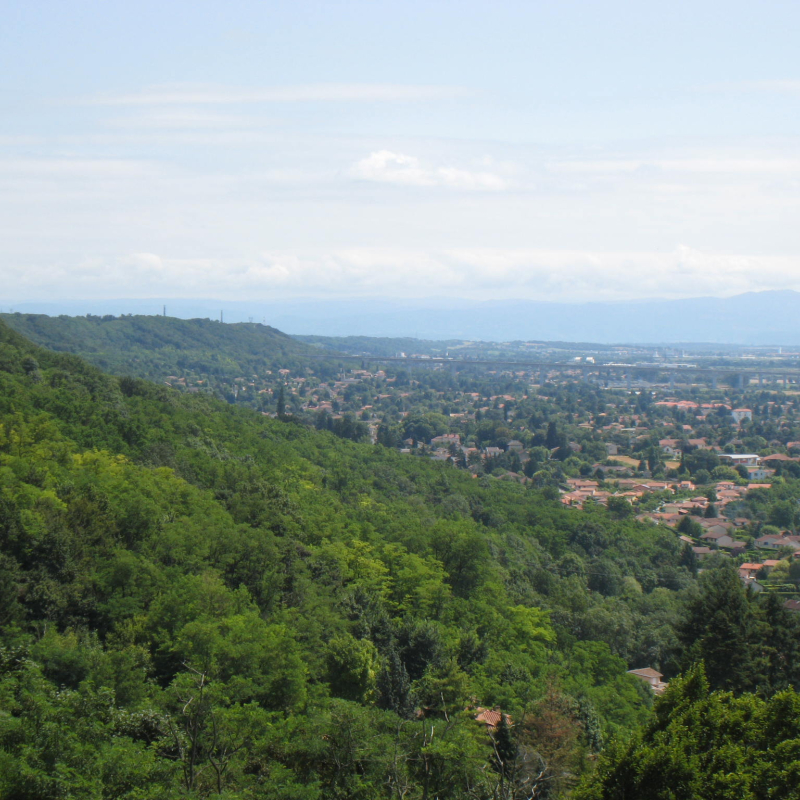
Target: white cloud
[[574, 276], [194, 94], [385, 166]]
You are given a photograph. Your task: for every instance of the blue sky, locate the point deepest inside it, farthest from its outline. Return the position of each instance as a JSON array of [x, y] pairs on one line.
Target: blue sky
[[562, 151]]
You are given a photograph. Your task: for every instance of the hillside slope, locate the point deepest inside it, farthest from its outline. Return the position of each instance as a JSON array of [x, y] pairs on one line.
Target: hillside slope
[[198, 600], [153, 347]]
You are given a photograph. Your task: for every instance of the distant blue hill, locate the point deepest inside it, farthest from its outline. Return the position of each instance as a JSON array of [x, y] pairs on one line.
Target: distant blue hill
[[755, 318]]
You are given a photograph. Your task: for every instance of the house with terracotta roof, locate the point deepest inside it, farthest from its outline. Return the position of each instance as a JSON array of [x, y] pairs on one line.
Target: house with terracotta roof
[[490, 717], [651, 677], [715, 524], [672, 447], [748, 571]]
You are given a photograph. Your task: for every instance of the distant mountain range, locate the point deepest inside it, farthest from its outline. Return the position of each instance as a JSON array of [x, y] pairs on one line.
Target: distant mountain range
[[754, 318]]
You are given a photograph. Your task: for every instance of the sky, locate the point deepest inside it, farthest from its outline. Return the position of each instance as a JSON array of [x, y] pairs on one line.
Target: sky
[[564, 151]]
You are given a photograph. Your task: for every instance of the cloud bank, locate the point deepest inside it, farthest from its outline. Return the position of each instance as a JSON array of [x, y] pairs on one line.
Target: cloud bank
[[566, 276]]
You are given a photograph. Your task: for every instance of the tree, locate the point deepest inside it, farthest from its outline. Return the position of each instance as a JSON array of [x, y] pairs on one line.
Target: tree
[[555, 438], [689, 527], [619, 507], [703, 744], [351, 668], [721, 629], [781, 645], [394, 686], [280, 406]]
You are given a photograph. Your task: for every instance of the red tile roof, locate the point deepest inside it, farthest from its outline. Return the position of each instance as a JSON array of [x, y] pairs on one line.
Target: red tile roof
[[491, 717], [646, 672]]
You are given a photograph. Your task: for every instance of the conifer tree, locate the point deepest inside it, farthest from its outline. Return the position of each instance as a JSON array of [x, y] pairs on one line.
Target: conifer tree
[[281, 405], [722, 629]]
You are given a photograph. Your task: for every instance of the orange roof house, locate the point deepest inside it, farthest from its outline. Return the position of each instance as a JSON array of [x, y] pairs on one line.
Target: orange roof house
[[490, 717], [650, 676]]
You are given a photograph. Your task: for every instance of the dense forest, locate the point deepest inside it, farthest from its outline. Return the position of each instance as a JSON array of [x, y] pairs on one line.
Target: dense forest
[[197, 600], [153, 347]]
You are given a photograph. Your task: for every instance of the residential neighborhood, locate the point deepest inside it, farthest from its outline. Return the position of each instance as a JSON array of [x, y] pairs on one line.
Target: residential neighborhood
[[710, 463]]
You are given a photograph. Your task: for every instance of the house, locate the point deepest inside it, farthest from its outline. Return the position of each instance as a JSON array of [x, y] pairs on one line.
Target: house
[[737, 459], [792, 605], [580, 483], [714, 525], [649, 486], [515, 446], [772, 542], [702, 552], [491, 452], [490, 717], [738, 414], [612, 449], [720, 539], [671, 447], [748, 571], [445, 440], [651, 677]]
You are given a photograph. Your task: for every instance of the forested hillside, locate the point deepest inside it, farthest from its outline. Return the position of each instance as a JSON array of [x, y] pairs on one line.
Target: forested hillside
[[154, 347], [197, 600], [202, 598]]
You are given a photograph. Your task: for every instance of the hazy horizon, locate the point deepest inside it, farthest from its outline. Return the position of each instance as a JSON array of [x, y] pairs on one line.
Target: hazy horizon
[[753, 319]]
